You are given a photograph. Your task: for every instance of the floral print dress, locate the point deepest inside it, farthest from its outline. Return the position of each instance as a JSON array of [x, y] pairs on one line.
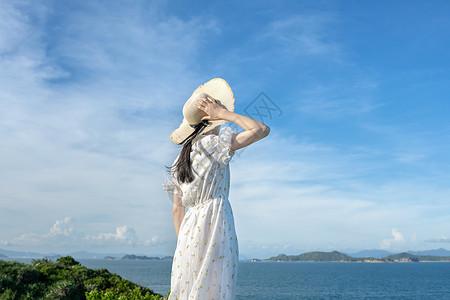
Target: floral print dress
[[205, 263]]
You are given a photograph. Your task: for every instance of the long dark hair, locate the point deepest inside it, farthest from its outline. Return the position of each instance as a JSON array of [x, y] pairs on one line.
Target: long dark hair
[[183, 164]]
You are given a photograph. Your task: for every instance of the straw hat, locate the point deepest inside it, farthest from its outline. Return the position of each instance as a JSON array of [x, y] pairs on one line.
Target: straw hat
[[216, 88]]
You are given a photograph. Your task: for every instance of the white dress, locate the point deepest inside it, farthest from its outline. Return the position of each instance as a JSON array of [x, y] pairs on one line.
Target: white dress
[[205, 263]]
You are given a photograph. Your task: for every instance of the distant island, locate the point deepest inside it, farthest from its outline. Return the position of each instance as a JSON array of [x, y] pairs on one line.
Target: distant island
[[335, 256], [111, 258], [137, 257], [4, 253]]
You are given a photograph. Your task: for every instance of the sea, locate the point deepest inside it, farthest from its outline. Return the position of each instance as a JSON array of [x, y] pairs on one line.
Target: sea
[[304, 280]]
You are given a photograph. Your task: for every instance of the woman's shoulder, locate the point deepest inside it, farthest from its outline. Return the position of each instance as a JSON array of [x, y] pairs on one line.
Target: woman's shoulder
[[202, 142], [212, 141]]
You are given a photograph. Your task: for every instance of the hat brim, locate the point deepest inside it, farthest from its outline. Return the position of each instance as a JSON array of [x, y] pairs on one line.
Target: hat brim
[[216, 88]]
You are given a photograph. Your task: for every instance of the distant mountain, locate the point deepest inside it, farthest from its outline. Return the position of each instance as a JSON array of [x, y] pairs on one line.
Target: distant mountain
[[435, 252], [4, 256], [22, 254], [371, 253]]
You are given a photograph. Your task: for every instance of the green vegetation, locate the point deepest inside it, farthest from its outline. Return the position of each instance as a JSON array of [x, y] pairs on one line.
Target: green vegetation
[[66, 279]]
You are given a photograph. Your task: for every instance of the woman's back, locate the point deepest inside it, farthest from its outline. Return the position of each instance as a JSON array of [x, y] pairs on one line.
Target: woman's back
[[210, 157]]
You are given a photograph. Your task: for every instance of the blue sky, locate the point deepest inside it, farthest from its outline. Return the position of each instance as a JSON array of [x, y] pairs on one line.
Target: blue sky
[[356, 159]]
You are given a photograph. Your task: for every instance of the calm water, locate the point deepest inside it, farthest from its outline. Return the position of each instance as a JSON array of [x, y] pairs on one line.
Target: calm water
[[295, 280]]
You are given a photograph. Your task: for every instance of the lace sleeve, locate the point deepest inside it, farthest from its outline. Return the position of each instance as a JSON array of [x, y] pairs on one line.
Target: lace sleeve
[[221, 145], [171, 186]]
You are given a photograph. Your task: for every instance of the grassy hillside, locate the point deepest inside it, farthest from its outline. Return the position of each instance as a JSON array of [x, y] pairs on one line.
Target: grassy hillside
[[66, 279]]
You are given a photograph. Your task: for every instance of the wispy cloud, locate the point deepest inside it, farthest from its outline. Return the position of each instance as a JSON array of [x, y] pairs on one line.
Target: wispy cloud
[[442, 239], [275, 48], [302, 34], [334, 101], [409, 145]]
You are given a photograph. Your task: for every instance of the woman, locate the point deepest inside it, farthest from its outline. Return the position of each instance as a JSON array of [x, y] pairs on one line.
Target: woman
[[206, 258]]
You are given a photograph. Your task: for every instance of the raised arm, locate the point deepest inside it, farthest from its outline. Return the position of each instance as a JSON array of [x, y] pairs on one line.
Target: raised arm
[[254, 130]]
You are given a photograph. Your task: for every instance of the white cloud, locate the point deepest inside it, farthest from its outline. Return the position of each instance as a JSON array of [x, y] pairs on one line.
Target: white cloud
[[62, 227], [396, 240], [123, 235], [64, 233], [398, 236]]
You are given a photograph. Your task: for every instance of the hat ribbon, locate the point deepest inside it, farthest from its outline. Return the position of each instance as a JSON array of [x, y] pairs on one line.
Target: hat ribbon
[[204, 122], [198, 127]]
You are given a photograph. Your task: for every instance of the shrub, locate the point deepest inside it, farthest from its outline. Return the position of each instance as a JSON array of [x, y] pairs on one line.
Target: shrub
[[68, 261], [65, 290], [130, 294], [66, 279]]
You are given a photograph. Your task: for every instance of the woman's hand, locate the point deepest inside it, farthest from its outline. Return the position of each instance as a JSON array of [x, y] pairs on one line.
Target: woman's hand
[[212, 109]]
